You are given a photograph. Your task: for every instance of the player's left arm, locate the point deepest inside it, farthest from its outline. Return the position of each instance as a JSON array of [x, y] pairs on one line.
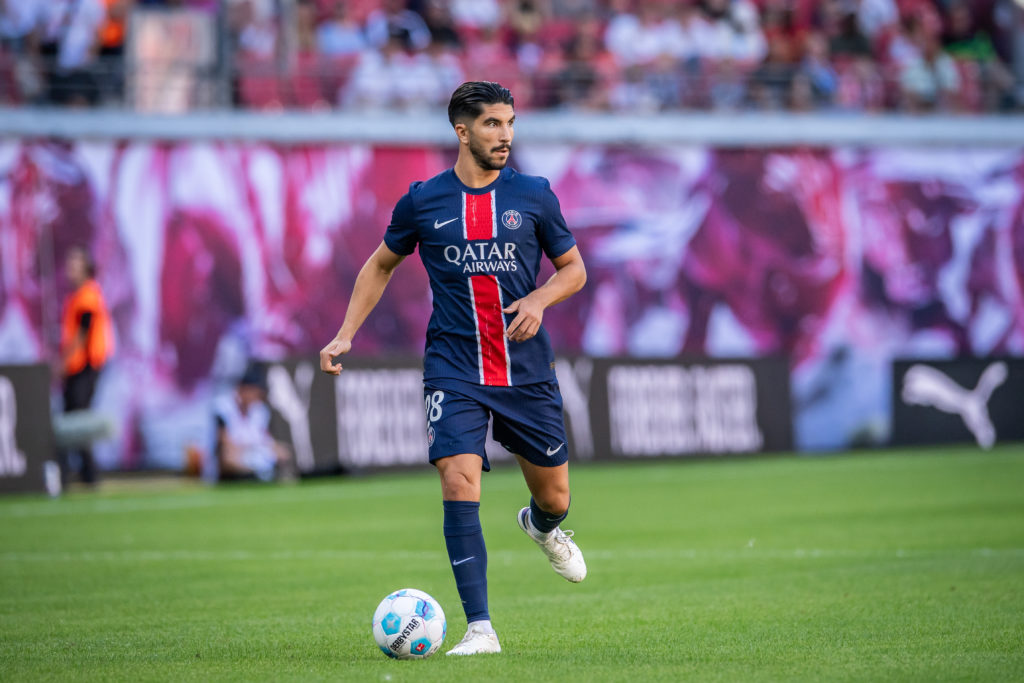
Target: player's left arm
[[569, 278]]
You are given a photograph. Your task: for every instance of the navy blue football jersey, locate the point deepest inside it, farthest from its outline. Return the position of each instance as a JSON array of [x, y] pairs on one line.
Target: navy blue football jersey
[[481, 248]]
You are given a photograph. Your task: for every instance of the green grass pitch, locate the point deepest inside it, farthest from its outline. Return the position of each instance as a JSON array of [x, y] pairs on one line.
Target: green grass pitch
[[896, 565]]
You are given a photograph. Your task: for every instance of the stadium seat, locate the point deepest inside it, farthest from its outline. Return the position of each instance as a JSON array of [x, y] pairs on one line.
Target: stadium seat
[[969, 96], [10, 93], [259, 84], [305, 84], [334, 73]]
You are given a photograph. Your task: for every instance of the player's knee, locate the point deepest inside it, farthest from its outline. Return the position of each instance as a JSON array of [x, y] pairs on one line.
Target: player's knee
[[458, 485], [554, 501]]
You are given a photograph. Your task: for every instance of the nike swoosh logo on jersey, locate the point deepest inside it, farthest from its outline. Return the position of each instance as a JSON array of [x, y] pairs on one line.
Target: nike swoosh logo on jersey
[[456, 563], [438, 226], [555, 450]]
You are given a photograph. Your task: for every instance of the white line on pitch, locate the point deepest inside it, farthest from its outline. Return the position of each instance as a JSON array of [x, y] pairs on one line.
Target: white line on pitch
[[625, 554]]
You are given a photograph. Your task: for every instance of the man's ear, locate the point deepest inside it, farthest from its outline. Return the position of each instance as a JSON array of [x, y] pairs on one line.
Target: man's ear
[[462, 131]]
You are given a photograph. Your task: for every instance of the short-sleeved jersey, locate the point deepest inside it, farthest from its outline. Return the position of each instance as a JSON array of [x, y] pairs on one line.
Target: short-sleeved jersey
[[481, 248]]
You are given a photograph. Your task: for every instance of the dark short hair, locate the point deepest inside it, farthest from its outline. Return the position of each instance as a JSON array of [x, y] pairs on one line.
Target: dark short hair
[[255, 375], [469, 99]]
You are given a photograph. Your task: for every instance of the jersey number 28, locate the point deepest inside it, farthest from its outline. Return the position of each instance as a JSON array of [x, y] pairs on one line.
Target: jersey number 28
[[433, 405]]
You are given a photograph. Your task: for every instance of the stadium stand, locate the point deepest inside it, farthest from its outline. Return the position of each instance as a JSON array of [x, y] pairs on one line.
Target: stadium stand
[[592, 55]]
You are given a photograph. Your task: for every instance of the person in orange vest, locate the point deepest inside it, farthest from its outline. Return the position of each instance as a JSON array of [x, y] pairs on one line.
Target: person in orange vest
[[87, 342], [111, 38]]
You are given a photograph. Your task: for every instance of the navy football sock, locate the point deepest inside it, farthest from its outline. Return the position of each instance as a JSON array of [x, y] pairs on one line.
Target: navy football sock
[[544, 522], [468, 555]]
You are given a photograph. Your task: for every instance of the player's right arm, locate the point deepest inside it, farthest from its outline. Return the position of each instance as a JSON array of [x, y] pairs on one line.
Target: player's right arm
[[370, 283]]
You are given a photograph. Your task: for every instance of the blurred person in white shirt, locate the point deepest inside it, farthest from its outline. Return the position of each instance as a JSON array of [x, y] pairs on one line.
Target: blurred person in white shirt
[[732, 31], [73, 26], [71, 35], [476, 14], [645, 36], [930, 80], [399, 77], [339, 34], [19, 21], [876, 17], [245, 448]]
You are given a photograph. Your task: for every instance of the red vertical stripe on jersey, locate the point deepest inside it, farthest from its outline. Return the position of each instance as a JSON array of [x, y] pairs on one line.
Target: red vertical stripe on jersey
[[479, 216], [490, 327], [492, 347]]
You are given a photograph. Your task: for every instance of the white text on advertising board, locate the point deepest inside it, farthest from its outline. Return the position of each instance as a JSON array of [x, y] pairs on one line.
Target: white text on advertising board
[[675, 410]]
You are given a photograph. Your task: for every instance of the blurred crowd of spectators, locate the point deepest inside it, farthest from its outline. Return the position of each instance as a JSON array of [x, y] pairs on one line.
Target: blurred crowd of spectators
[[69, 52], [601, 55]]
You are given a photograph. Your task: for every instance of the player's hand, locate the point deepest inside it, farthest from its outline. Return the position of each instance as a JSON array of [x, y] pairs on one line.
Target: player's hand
[[526, 324], [337, 347]]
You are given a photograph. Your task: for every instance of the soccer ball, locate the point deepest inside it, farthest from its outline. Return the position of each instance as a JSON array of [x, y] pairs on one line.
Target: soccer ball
[[409, 624]]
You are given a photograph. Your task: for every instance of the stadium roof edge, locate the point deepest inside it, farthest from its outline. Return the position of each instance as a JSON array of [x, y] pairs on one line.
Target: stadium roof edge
[[388, 128]]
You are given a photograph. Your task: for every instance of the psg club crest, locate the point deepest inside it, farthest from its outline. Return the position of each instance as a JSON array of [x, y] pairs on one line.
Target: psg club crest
[[511, 219], [430, 436]]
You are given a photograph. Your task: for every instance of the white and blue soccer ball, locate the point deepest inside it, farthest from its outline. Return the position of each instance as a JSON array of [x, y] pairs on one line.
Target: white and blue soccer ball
[[409, 624]]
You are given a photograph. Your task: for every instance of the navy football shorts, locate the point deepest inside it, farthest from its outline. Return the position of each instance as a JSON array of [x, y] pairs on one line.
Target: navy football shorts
[[527, 420]]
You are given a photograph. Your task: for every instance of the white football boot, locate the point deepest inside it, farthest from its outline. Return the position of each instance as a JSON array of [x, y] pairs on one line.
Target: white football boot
[[565, 557], [479, 640]]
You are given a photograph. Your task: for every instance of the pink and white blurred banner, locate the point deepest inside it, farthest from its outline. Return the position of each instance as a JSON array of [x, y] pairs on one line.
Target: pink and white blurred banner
[[839, 259]]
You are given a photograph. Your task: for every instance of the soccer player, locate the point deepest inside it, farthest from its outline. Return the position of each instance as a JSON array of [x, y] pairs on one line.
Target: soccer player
[[481, 228]]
